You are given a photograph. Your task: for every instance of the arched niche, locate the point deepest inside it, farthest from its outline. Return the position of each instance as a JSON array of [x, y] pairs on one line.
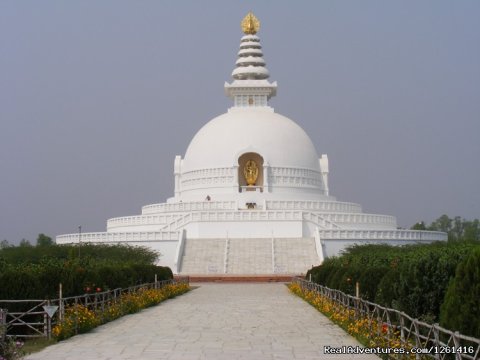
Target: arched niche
[[243, 160]]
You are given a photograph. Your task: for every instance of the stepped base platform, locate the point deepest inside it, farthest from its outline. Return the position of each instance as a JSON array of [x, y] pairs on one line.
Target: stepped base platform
[[239, 278], [248, 256]]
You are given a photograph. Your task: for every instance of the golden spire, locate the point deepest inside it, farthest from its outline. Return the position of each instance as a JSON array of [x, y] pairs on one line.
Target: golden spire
[[250, 24]]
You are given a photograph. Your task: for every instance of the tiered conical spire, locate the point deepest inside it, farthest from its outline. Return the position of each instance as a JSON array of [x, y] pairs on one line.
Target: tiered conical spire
[[250, 86], [250, 63]]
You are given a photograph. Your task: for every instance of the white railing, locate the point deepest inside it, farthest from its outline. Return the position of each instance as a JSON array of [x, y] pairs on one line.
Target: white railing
[[248, 215], [189, 206], [333, 206], [180, 249], [176, 223], [100, 237], [383, 235], [367, 219], [140, 220], [171, 233], [245, 215], [321, 219], [225, 255]]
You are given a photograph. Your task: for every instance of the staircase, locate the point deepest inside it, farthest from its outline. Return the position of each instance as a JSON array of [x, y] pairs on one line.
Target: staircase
[[203, 256], [250, 256], [294, 255], [258, 256]]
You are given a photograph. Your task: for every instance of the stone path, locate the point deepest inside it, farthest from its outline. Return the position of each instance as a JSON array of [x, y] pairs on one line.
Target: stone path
[[214, 321]]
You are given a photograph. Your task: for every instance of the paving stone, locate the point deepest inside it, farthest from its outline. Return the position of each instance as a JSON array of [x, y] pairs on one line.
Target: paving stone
[[214, 321]]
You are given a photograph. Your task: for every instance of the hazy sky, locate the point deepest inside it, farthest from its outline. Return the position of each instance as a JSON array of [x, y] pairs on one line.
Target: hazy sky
[[97, 98]]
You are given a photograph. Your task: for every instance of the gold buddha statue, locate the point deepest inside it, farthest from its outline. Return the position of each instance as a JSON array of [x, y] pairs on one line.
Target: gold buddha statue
[[250, 171]]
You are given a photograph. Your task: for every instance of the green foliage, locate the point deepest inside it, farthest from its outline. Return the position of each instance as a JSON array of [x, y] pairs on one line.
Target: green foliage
[[28, 272], [25, 243], [460, 310], [369, 279], [458, 229], [411, 278], [419, 226], [4, 244], [387, 289], [44, 240], [443, 223], [11, 349], [89, 254]]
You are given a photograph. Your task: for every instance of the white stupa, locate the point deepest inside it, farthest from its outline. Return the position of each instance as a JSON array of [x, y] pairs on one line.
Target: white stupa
[[251, 193]]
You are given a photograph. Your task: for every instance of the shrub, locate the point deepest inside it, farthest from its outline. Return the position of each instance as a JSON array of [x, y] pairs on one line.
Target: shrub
[[387, 292], [11, 349], [79, 319], [369, 280], [40, 281], [411, 278], [460, 310]]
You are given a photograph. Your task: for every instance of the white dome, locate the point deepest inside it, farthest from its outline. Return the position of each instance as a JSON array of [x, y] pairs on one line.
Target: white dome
[[279, 140]]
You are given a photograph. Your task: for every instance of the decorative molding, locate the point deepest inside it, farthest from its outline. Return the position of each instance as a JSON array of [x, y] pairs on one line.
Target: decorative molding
[[382, 235], [102, 237], [333, 206], [188, 206], [191, 179], [277, 176]]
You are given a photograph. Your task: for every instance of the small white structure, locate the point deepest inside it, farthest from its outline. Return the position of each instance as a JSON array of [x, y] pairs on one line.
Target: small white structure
[[251, 193]]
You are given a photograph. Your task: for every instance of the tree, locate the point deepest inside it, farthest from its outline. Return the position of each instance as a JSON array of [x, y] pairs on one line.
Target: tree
[[25, 243], [460, 310], [443, 223], [4, 244], [457, 229], [419, 226], [44, 240], [472, 230]]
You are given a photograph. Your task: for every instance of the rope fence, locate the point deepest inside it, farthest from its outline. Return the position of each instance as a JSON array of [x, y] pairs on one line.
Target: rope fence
[[434, 341], [36, 318]]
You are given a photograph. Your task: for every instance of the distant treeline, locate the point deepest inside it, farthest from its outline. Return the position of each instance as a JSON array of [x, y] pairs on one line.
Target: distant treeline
[[34, 272], [457, 228]]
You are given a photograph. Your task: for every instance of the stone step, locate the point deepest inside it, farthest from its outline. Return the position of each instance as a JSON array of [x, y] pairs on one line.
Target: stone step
[[249, 256], [239, 278]]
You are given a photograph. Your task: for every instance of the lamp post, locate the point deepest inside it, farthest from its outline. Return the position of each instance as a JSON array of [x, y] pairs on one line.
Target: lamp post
[[79, 239]]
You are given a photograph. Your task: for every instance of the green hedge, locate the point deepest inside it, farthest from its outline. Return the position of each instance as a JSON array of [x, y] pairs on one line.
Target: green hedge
[[35, 272], [41, 282], [88, 253], [412, 278], [461, 309]]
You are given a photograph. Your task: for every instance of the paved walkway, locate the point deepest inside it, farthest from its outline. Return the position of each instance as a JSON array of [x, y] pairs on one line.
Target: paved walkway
[[214, 321]]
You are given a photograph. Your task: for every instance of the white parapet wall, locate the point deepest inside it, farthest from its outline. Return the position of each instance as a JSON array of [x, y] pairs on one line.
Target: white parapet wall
[[164, 243], [334, 242]]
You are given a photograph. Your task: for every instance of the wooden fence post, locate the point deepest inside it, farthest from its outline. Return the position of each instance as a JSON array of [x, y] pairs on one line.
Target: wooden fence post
[[456, 342], [418, 343], [45, 321], [3, 324], [402, 330], [60, 302], [436, 336]]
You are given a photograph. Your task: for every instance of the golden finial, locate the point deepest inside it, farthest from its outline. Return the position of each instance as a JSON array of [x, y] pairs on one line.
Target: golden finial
[[250, 24]]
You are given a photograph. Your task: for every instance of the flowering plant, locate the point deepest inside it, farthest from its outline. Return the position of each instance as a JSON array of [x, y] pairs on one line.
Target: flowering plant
[[79, 318], [11, 349], [368, 331]]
